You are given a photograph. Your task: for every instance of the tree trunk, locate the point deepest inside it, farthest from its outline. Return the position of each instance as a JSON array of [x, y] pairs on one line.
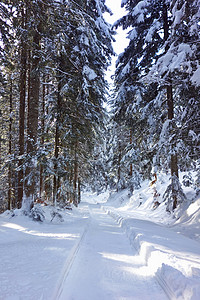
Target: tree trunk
[[170, 105], [56, 151], [22, 97], [55, 178], [10, 149], [42, 138], [119, 166], [75, 198], [71, 174], [32, 122], [79, 190], [131, 165]]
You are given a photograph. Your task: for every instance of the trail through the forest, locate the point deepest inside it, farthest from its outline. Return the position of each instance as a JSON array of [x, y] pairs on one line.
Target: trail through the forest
[[103, 265]]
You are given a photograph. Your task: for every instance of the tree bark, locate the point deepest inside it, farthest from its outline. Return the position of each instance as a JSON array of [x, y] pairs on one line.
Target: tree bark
[[42, 137], [170, 106], [119, 166], [79, 190], [75, 198], [131, 165], [56, 151], [22, 97], [32, 122], [10, 148]]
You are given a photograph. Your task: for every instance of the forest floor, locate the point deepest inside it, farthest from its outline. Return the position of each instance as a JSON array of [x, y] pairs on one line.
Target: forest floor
[[100, 251]]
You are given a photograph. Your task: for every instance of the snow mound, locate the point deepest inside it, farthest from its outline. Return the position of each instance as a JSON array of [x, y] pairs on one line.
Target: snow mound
[[171, 257], [189, 223]]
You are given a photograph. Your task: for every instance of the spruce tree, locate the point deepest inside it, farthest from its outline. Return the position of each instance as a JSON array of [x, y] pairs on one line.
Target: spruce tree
[[152, 73]]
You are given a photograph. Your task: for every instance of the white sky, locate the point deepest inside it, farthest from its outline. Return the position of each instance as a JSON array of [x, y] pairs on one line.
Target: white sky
[[118, 12], [120, 37]]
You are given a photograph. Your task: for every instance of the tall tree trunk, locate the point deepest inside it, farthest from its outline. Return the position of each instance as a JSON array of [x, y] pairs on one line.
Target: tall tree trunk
[[71, 174], [56, 151], [170, 105], [55, 178], [119, 166], [22, 97], [32, 122], [79, 190], [10, 148], [42, 137], [131, 165], [75, 198], [47, 178]]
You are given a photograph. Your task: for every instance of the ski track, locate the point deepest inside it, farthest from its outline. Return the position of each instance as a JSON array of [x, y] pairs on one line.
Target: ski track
[[104, 264], [68, 264], [32, 258]]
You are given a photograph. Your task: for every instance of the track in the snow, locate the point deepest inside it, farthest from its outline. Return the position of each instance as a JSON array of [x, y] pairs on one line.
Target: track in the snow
[[68, 264], [103, 266]]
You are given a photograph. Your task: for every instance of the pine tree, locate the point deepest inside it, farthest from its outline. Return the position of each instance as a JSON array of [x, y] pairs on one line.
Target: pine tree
[[88, 50], [176, 67], [135, 103], [62, 51], [152, 75]]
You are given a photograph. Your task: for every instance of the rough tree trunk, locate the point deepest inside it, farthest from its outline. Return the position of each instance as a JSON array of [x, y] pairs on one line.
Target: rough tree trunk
[[131, 165], [79, 190], [56, 151], [10, 149], [75, 196], [170, 105], [22, 97], [42, 137], [32, 122], [119, 166]]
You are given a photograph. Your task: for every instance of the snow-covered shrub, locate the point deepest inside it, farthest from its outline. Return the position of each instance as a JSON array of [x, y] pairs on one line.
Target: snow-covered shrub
[[174, 192], [187, 180], [121, 185], [37, 213], [134, 182], [55, 214]]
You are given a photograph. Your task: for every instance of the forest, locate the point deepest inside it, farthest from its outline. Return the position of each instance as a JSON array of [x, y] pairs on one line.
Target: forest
[[57, 135]]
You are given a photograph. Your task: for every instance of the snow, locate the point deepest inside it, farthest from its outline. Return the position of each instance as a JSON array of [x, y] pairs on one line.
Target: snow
[[139, 8], [196, 76], [132, 34], [91, 75], [178, 15], [123, 2], [155, 27], [114, 246]]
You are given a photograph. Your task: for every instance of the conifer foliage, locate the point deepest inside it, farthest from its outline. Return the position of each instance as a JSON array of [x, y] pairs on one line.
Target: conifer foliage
[[157, 86], [55, 137], [55, 70]]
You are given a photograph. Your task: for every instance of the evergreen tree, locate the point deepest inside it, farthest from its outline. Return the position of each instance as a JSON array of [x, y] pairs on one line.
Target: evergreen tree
[[88, 48], [152, 72], [136, 104]]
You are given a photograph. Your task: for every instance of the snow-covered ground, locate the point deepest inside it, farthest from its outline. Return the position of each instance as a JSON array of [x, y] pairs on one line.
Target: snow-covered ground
[[111, 247]]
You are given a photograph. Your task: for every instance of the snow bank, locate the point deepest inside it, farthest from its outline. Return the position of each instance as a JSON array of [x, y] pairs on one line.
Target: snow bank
[[167, 243], [140, 204], [173, 258], [189, 222]]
